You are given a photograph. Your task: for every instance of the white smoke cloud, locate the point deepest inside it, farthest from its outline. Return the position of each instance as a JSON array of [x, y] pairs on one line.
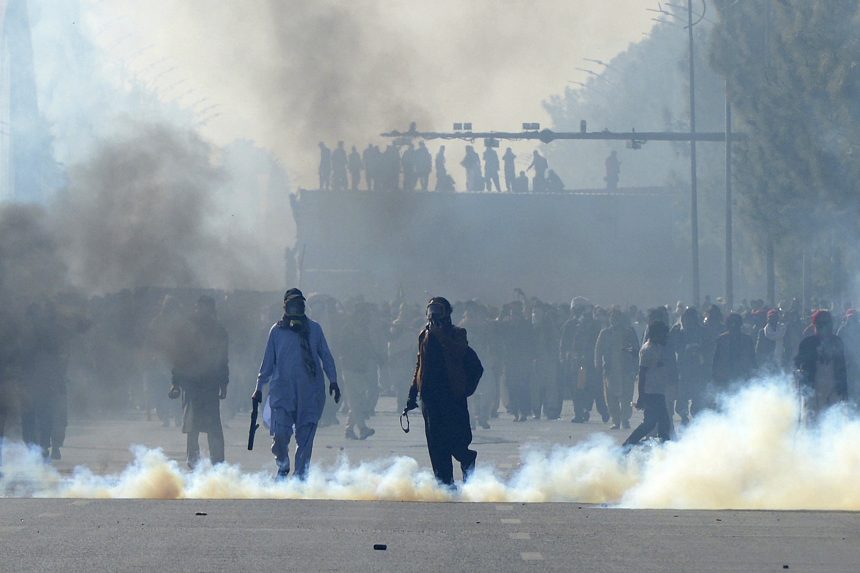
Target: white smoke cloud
[[753, 455]]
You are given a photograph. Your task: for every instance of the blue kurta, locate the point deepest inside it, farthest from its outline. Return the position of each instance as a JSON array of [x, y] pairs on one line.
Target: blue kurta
[[292, 389]]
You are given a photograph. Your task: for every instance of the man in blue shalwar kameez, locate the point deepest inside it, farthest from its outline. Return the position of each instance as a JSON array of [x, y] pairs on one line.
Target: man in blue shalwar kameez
[[291, 365]]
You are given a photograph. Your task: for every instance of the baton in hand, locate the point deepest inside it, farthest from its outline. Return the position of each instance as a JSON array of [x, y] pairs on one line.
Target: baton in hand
[[404, 416], [255, 405]]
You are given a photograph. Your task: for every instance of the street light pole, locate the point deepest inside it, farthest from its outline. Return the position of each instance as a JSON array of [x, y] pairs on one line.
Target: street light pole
[[730, 288], [694, 198]]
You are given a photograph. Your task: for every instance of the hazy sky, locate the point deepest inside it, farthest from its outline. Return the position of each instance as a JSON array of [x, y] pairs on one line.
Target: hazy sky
[[289, 73]]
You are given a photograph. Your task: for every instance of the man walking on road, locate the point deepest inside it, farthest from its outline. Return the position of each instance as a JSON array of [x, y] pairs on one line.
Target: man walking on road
[[446, 374], [291, 364], [200, 376]]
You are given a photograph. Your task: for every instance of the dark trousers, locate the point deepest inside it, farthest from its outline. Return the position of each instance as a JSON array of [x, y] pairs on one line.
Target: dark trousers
[[584, 399], [446, 426], [216, 446], [656, 415], [44, 424], [29, 428]]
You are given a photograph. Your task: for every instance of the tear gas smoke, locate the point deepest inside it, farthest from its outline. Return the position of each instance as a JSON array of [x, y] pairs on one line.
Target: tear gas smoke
[[139, 213], [143, 211], [30, 265], [752, 455], [290, 73]]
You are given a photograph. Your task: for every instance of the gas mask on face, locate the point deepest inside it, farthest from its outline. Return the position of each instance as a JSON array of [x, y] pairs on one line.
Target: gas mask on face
[[294, 312], [437, 315]]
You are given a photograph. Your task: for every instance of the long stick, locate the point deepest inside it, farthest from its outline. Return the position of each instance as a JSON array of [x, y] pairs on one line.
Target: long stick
[[254, 425]]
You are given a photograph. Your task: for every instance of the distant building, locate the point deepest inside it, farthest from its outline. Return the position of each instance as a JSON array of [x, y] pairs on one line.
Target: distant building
[[28, 171]]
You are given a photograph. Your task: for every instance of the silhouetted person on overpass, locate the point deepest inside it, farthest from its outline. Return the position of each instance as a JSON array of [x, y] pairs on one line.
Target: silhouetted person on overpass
[[540, 165], [410, 179], [521, 183], [510, 169], [491, 169], [368, 158], [325, 167], [354, 161], [472, 163], [338, 167], [554, 184], [423, 165]]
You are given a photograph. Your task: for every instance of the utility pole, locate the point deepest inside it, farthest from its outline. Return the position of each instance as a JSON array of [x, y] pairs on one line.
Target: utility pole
[[771, 273], [694, 197], [807, 289], [730, 288]]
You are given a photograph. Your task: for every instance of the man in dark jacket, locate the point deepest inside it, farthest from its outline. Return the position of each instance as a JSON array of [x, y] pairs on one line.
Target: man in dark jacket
[[200, 375], [820, 362], [734, 355], [445, 375], [518, 353]]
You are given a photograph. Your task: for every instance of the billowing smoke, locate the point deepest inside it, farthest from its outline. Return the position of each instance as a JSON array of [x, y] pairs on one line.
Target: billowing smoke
[[291, 73], [139, 214], [752, 455], [30, 264], [143, 211], [330, 60]]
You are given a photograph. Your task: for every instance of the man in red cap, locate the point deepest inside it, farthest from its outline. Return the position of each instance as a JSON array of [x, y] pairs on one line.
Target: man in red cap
[[820, 362]]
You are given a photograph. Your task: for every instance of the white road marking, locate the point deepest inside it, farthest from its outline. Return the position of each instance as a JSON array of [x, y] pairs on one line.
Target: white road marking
[[511, 520], [531, 556], [520, 535]]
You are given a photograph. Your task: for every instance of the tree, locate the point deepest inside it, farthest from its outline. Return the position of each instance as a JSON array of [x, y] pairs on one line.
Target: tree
[[793, 69]]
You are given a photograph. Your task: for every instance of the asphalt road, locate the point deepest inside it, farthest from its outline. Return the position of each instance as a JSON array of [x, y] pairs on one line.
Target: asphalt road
[[133, 535]]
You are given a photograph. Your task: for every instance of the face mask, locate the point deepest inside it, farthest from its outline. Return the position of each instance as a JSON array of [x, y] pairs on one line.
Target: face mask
[[436, 314], [295, 308]]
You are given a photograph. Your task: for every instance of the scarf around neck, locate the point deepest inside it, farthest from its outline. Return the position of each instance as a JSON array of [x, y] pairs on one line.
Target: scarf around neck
[[301, 326]]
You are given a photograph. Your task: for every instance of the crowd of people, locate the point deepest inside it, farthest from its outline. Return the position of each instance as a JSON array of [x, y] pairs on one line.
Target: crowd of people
[[393, 170], [108, 355]]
